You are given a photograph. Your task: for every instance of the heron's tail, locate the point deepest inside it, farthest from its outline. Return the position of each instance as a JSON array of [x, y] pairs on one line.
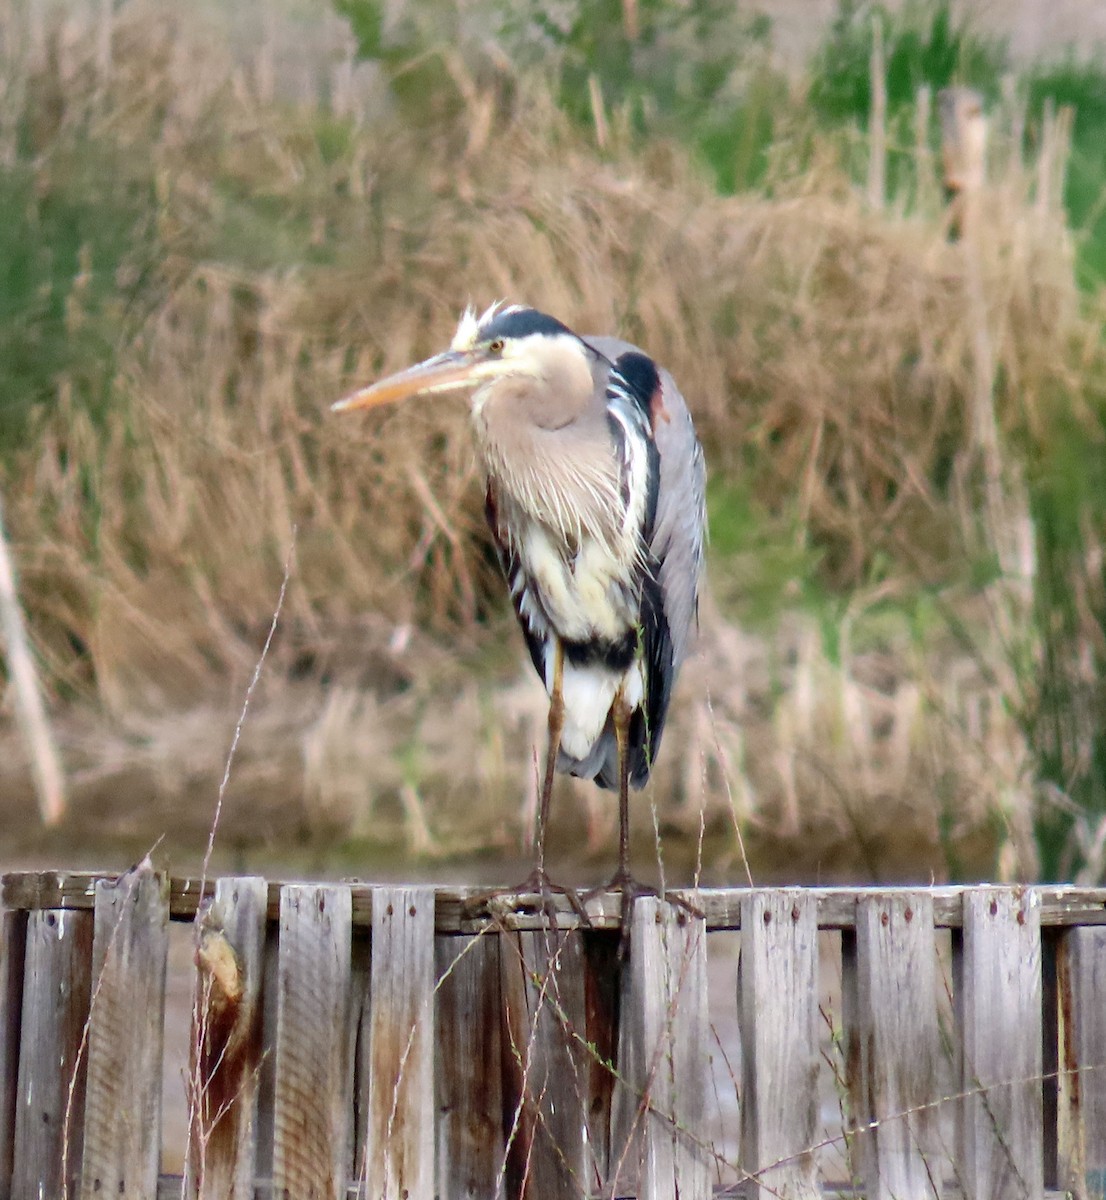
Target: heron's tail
[[601, 763]]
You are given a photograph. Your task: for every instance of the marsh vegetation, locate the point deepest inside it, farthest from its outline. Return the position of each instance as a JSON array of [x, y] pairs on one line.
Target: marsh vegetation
[[206, 238]]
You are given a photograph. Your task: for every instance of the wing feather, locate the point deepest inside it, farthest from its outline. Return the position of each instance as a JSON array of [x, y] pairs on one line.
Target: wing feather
[[535, 628], [679, 525]]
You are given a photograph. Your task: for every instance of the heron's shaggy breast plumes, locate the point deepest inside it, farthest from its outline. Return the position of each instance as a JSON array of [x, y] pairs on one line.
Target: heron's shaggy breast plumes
[[558, 477]]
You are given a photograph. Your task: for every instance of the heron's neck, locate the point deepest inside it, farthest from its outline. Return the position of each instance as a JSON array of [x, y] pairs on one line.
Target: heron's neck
[[555, 464]]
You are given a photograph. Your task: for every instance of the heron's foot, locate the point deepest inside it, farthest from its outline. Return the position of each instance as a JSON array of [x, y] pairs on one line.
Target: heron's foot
[[631, 890], [533, 895]]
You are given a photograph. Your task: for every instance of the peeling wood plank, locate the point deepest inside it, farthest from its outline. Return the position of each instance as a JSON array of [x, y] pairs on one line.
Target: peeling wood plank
[[670, 1028], [56, 990], [122, 1126], [777, 996], [893, 1046], [470, 1142], [312, 1083], [226, 1042], [1082, 1058], [545, 1070], [999, 1007], [13, 954], [400, 1140]]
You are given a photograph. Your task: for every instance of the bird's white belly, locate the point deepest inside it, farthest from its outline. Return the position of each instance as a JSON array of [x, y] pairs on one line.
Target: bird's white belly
[[589, 692], [585, 599]]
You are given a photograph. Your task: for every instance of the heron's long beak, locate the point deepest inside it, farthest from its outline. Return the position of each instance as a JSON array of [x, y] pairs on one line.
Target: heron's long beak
[[443, 372]]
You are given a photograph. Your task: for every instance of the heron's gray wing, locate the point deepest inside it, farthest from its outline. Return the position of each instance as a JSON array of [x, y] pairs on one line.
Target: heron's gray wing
[[679, 528], [534, 626]]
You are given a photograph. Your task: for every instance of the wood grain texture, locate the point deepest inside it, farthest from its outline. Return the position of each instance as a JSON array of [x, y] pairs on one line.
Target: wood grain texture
[[1051, 941], [169, 1187], [778, 1013], [892, 1045], [226, 1042], [545, 1065], [122, 1129], [1061, 905], [999, 1008], [56, 991], [312, 1078], [400, 1138], [1082, 1100], [669, 1027], [266, 1083], [602, 987], [470, 1070], [555, 1044], [13, 954], [360, 999]]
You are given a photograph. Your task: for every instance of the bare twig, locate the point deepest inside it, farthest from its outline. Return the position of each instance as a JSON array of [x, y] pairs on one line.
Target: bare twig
[[29, 708]]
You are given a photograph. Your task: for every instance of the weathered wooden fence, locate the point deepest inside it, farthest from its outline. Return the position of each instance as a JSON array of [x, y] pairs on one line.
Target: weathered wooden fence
[[351, 1040]]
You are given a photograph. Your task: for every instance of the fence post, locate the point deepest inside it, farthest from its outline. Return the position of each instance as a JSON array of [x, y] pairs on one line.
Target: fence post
[[1082, 1059], [469, 1070], [57, 986], [400, 1139], [778, 1012], [893, 1045], [122, 1127], [669, 1029], [312, 1085], [13, 953], [545, 1070], [999, 1009], [226, 1042]]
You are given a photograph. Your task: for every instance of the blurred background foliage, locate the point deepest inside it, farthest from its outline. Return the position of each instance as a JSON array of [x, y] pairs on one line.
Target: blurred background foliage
[[209, 230]]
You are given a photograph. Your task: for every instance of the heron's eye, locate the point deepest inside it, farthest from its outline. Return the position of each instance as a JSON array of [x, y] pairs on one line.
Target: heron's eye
[[496, 346]]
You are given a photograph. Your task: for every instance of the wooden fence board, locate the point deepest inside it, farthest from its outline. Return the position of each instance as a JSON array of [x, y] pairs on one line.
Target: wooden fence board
[[521, 1032], [226, 1042], [1061, 904], [893, 1046], [400, 1140], [57, 985], [470, 1070], [266, 1082], [13, 954], [999, 1008], [601, 1032], [360, 995], [1051, 942], [312, 1079], [1082, 1020], [778, 1012], [122, 1128], [670, 1027], [545, 1067]]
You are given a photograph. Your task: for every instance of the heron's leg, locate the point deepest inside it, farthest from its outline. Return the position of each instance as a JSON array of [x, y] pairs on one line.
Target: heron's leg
[[538, 881], [623, 880], [556, 727]]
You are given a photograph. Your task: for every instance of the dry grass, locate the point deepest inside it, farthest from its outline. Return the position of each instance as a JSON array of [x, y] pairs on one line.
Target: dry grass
[[826, 351]]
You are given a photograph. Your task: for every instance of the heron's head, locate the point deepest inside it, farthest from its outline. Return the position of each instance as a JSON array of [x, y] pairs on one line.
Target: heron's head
[[505, 343]]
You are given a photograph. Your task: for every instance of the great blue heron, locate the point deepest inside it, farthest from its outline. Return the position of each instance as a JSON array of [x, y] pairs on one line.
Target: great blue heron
[[595, 499]]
